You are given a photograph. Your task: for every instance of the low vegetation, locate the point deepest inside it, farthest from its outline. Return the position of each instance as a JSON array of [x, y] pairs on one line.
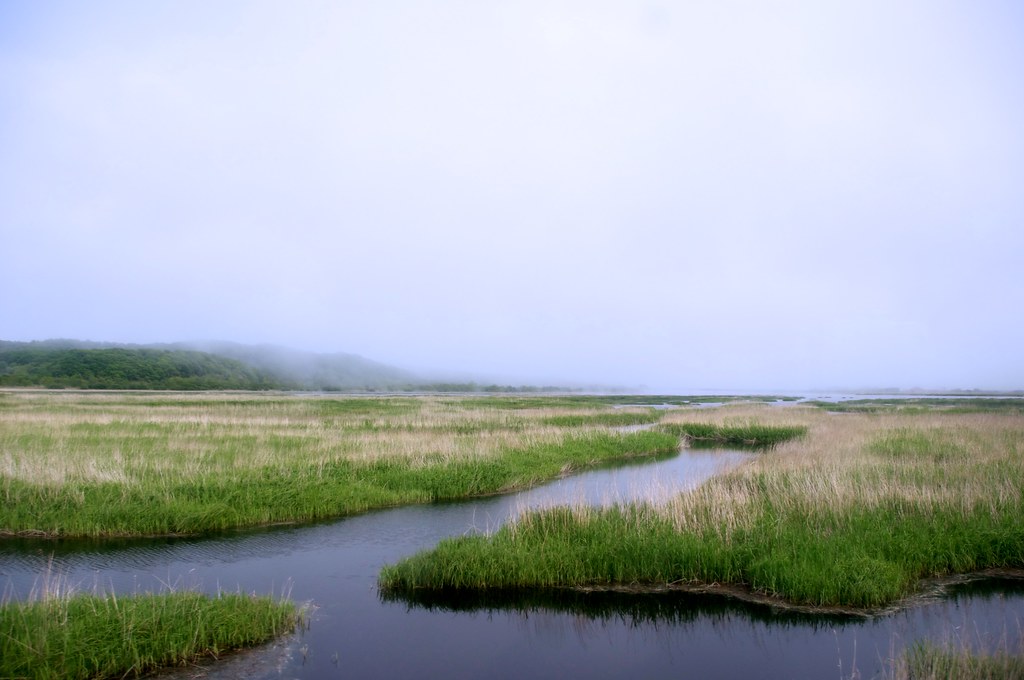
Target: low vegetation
[[92, 636], [745, 434], [124, 464], [920, 405], [931, 661], [612, 419], [109, 464], [853, 514], [841, 510], [592, 401]]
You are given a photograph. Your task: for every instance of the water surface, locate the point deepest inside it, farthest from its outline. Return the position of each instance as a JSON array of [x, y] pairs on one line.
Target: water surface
[[353, 632]]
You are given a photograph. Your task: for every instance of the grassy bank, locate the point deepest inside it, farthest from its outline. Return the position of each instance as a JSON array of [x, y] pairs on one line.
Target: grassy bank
[[88, 636], [123, 464], [855, 513]]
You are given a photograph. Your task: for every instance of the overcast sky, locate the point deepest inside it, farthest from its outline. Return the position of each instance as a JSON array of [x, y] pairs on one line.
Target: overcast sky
[[736, 195]]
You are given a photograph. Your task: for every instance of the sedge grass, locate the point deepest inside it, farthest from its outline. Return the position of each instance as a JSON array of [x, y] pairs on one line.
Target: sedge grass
[[853, 514], [91, 636], [123, 464]]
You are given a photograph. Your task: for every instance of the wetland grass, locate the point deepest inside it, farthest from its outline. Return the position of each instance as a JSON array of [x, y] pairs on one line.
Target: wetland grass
[[936, 661], [912, 405], [92, 636], [593, 401], [132, 464], [745, 434], [610, 419], [853, 514]]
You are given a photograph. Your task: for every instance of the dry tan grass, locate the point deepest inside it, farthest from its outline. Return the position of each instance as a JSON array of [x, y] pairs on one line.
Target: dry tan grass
[[67, 437], [839, 464]]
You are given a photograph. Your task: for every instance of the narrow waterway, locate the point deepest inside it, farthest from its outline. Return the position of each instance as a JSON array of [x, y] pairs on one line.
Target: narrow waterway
[[353, 632]]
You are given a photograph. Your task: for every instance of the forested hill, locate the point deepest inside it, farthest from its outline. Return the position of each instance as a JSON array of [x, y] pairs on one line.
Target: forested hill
[[23, 365], [209, 366], [192, 366]]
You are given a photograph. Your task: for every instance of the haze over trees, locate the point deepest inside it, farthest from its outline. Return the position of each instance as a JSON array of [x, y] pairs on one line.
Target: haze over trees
[[209, 365]]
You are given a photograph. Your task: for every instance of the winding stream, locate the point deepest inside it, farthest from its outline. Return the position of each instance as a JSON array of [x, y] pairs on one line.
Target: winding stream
[[353, 632]]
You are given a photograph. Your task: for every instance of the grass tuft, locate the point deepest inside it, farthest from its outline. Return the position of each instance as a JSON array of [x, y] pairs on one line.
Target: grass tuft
[[88, 636]]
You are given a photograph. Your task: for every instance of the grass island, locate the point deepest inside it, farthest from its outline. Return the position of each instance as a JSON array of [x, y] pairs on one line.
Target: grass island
[[852, 507]]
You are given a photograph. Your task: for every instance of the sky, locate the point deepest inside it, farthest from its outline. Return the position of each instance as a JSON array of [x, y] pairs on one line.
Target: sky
[[668, 196]]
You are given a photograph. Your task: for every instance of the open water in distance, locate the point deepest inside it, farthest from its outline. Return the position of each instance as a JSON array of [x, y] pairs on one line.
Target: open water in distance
[[352, 632]]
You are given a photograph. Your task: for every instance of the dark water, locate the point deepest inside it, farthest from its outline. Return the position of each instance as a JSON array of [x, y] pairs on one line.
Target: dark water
[[353, 632]]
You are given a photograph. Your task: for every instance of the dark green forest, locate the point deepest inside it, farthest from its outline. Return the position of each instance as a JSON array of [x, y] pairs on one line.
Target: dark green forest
[[135, 369]]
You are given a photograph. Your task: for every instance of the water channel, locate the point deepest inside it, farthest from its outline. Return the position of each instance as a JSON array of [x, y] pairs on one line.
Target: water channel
[[351, 631]]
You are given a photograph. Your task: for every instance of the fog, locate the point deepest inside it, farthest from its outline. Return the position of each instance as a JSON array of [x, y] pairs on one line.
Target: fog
[[674, 196]]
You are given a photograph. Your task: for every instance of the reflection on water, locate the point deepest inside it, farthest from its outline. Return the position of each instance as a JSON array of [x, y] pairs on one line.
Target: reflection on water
[[356, 632], [22, 560], [635, 610]]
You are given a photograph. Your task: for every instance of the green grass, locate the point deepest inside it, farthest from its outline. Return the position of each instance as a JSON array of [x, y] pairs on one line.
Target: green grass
[[612, 419], [604, 401], [87, 636], [865, 559], [831, 523], [267, 495], [100, 465], [748, 434]]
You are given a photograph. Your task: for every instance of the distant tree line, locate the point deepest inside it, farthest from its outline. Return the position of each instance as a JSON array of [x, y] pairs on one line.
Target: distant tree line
[[86, 365], [136, 369]]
